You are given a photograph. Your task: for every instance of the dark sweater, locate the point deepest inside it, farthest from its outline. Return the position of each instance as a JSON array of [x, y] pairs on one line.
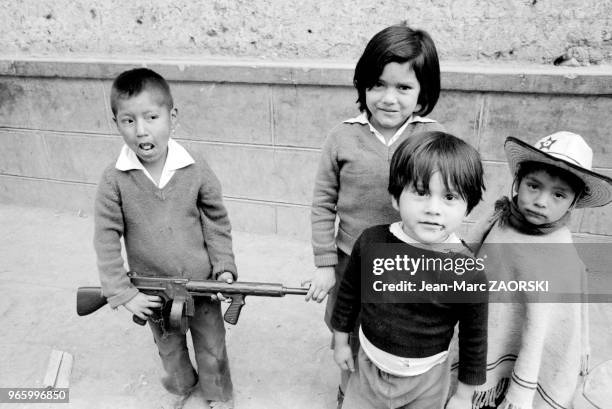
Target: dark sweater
[[181, 230], [416, 329]]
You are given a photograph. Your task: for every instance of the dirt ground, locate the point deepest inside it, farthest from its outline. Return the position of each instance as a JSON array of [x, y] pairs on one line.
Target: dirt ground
[[279, 351]]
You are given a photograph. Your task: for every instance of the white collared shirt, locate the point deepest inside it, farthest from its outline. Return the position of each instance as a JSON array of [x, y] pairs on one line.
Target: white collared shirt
[[398, 231], [397, 365], [176, 158], [363, 119]]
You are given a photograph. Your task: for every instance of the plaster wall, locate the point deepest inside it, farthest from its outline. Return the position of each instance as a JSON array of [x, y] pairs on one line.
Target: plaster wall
[[261, 126], [533, 31]]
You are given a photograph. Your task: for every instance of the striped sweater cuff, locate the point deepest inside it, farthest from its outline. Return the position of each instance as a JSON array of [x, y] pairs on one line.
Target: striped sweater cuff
[[326, 260], [122, 297]]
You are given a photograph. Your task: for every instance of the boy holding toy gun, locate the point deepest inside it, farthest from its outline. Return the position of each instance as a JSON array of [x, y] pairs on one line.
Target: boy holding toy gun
[[167, 206]]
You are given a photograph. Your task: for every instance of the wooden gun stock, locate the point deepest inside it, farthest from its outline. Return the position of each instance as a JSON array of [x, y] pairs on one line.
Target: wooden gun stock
[[89, 299]]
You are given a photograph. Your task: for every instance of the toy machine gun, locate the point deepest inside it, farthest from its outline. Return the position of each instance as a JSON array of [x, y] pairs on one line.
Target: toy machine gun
[[177, 296]]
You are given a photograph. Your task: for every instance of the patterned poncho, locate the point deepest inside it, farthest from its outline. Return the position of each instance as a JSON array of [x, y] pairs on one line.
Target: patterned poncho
[[537, 351]]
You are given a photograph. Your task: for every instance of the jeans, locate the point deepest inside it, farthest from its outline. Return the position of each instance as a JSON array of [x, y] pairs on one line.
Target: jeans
[[208, 335]]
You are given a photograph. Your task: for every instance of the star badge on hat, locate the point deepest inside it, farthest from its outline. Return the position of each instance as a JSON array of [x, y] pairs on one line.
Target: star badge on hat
[[545, 144]]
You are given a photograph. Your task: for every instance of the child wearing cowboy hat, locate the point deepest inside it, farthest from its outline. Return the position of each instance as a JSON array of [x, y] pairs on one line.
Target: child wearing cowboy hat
[[538, 350]]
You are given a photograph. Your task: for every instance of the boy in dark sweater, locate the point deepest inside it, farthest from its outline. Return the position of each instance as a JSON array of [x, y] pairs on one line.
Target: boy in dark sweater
[[435, 180], [167, 207]]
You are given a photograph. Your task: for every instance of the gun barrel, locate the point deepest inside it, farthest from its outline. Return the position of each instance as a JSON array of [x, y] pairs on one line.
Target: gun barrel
[[239, 287], [296, 290], [213, 286]]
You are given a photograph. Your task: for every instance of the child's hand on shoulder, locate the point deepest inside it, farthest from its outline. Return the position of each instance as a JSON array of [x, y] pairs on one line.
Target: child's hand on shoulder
[[324, 280], [462, 399], [225, 277], [141, 304]]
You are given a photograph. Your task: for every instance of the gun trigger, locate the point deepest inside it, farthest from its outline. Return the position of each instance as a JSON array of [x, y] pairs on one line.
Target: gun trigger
[[138, 320]]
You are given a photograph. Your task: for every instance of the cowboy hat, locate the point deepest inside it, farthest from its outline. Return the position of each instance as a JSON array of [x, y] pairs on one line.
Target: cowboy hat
[[567, 151]]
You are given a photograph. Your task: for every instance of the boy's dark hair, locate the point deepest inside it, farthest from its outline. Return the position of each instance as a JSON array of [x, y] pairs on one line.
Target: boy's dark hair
[[419, 156], [526, 168], [400, 44], [132, 82]]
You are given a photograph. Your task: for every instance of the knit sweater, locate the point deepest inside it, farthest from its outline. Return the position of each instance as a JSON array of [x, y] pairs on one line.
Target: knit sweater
[[537, 349], [414, 329], [181, 230], [351, 183]]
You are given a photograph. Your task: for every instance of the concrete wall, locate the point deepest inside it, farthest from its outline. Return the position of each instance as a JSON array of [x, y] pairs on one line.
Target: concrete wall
[[260, 125], [536, 31]]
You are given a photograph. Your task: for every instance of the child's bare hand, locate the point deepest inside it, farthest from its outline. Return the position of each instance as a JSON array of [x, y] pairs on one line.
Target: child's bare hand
[[342, 351], [324, 280], [226, 277], [141, 304], [462, 399], [344, 357]]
